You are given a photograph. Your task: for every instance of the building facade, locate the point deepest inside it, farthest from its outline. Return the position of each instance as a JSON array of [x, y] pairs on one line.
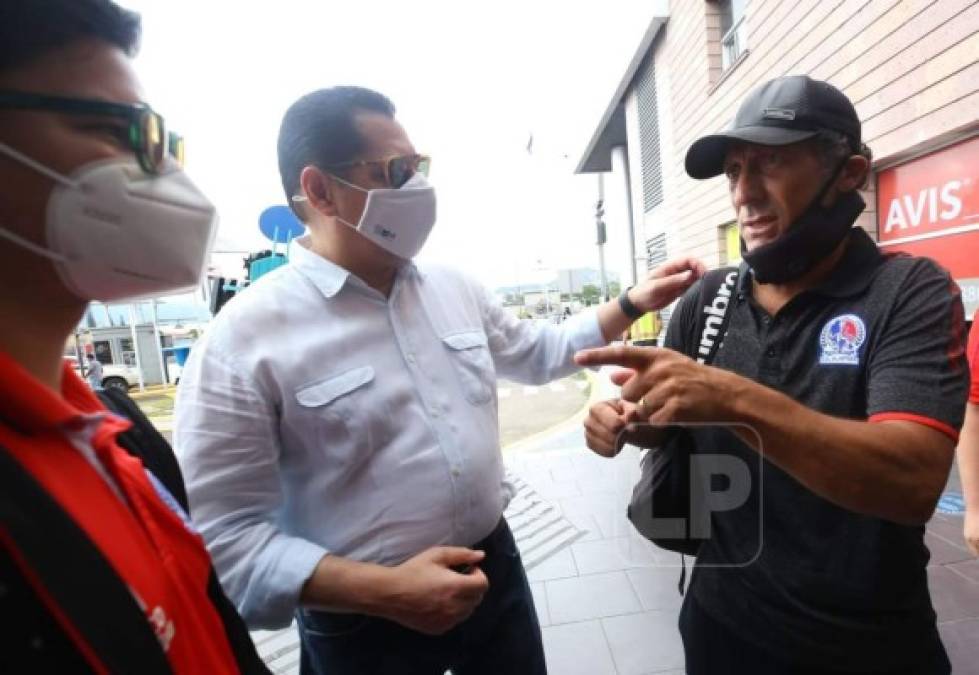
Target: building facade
[[911, 68]]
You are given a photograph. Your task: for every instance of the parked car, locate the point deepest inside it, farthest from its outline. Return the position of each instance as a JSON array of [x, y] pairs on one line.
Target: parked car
[[114, 375]]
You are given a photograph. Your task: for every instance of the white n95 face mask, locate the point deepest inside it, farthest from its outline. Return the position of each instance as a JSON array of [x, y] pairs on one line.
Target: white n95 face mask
[[398, 220], [115, 232]]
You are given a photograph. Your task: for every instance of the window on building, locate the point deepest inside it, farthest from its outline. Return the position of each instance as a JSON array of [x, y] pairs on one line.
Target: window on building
[[103, 351], [730, 244], [655, 251], [733, 32], [649, 144], [127, 351]]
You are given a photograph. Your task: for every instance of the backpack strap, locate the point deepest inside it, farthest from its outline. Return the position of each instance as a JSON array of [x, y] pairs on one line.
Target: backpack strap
[[144, 442], [712, 319], [53, 551], [242, 646], [713, 315]]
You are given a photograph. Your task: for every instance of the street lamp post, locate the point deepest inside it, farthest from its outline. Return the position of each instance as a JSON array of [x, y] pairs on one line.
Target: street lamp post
[[602, 235]]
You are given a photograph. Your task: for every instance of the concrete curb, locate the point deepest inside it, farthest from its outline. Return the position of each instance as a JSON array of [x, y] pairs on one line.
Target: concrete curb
[[565, 425], [152, 392]]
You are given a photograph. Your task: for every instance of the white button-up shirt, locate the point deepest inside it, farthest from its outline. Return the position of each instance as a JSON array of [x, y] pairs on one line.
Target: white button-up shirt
[[317, 416]]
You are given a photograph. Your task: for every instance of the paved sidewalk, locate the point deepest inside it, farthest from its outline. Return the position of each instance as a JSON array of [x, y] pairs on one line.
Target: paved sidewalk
[[608, 603]]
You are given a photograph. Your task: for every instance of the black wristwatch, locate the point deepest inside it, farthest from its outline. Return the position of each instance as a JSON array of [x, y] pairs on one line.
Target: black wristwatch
[[629, 309]]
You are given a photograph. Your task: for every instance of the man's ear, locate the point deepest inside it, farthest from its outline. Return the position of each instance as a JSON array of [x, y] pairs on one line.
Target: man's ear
[[854, 174], [319, 191]]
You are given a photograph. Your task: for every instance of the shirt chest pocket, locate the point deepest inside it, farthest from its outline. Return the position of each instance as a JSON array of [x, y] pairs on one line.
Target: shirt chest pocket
[[470, 356], [331, 408]]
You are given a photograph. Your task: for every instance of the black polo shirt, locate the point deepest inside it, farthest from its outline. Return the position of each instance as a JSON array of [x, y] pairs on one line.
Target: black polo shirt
[[816, 584]]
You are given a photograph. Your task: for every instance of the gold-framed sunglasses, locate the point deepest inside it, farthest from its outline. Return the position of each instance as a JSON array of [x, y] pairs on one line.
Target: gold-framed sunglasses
[[398, 169], [147, 134]]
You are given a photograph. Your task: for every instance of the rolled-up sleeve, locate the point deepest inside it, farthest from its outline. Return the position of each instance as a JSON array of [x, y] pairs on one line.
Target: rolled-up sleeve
[[532, 353], [226, 441]]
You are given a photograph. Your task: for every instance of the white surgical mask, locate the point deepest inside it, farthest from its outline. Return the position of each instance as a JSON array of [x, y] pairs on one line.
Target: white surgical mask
[[115, 233], [398, 220]]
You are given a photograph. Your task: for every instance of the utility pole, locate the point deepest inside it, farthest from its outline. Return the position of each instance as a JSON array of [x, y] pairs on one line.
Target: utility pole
[[158, 342], [602, 237], [135, 338]]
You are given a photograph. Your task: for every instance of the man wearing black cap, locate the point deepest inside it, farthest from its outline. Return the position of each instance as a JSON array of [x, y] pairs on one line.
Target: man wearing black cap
[[849, 366]]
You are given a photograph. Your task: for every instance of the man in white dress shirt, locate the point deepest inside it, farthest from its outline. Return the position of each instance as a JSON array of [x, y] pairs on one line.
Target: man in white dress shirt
[[337, 425]]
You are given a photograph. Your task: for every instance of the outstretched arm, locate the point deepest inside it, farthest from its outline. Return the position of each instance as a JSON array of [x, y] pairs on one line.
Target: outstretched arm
[[893, 470], [662, 286]]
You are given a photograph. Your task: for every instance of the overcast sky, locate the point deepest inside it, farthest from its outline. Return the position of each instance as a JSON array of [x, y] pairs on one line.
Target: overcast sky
[[470, 86]]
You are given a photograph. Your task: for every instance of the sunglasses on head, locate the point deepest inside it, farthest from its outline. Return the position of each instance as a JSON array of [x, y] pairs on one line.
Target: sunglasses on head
[[147, 134], [398, 169]]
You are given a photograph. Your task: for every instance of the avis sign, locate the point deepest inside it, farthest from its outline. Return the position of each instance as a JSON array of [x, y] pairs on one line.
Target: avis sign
[[930, 207]]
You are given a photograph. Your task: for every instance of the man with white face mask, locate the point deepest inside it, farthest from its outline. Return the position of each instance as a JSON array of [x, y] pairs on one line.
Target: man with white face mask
[[100, 570], [338, 423]]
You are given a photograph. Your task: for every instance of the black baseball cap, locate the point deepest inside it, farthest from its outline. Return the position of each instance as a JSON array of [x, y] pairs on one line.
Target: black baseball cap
[[782, 111]]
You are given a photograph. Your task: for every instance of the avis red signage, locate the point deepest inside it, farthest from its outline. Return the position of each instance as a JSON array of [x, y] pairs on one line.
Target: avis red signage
[[930, 207]]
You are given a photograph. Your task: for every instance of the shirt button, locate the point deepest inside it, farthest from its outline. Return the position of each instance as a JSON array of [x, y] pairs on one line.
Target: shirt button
[[766, 320], [771, 352], [456, 473], [410, 358]]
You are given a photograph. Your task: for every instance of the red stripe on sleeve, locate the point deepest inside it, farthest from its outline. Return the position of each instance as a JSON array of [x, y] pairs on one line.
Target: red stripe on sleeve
[[937, 425]]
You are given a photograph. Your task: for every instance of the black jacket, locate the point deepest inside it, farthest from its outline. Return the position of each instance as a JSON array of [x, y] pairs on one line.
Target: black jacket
[[79, 579]]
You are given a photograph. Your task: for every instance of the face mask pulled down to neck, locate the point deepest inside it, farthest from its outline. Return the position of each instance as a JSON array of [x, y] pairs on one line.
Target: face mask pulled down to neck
[[810, 238], [398, 220], [115, 233]]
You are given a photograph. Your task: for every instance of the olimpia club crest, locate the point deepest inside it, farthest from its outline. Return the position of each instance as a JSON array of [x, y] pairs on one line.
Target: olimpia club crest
[[841, 339]]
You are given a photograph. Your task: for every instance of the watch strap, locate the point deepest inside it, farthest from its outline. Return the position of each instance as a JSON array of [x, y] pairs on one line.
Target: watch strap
[[628, 308]]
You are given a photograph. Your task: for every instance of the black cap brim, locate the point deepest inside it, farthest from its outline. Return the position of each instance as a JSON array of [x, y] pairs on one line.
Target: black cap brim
[[705, 158]]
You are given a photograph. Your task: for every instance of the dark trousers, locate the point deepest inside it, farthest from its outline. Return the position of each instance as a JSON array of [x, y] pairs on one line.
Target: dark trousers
[[712, 649], [501, 637]]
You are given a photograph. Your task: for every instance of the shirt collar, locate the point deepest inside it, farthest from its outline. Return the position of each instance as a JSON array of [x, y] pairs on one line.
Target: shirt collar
[[326, 275], [29, 406], [851, 275]]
